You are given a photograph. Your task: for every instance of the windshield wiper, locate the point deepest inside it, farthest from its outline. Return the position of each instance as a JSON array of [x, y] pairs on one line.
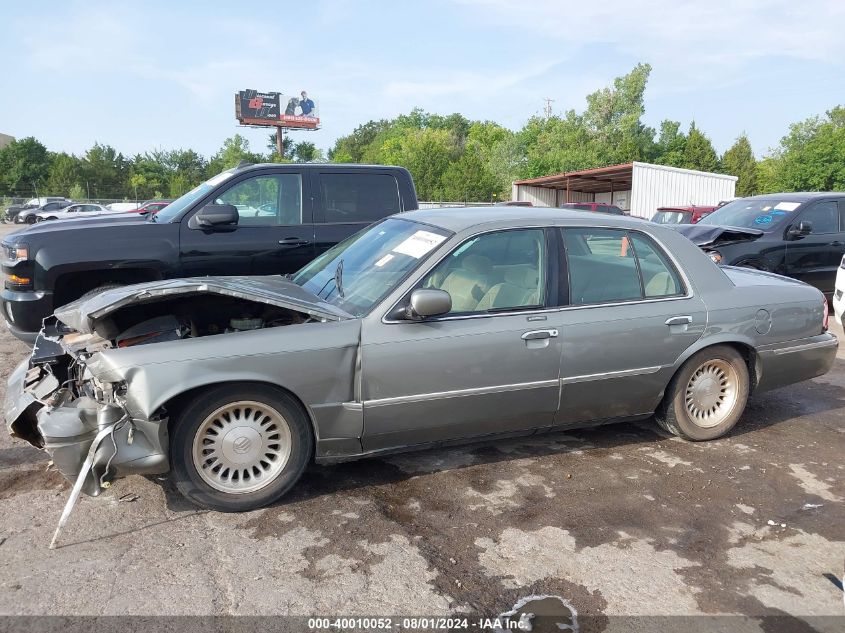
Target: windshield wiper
[[338, 278]]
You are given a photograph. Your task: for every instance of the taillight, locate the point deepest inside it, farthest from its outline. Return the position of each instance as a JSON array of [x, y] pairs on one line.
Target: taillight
[[826, 316]]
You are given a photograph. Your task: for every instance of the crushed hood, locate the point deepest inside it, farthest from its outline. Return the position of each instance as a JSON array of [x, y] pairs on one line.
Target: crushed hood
[[82, 314], [709, 235]]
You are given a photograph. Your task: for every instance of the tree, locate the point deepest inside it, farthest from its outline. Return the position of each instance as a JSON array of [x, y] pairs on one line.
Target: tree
[[235, 149], [65, 172], [811, 157], [671, 144], [739, 161], [287, 146], [24, 167], [105, 172], [76, 192], [306, 152], [699, 152]]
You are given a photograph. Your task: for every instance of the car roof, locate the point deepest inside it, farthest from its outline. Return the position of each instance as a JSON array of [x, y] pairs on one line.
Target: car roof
[[458, 219], [795, 196], [320, 166]]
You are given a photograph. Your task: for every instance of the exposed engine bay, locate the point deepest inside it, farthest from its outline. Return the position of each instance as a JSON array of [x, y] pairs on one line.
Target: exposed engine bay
[[65, 400]]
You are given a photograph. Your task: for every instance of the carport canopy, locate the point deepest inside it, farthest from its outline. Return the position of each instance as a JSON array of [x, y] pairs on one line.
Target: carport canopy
[[598, 180]]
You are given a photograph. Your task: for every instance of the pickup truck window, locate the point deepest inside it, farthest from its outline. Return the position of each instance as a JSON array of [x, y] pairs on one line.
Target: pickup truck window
[[358, 197], [269, 200]]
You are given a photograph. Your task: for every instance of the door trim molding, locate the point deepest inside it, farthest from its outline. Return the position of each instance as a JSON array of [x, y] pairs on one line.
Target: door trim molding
[[459, 393], [639, 371]]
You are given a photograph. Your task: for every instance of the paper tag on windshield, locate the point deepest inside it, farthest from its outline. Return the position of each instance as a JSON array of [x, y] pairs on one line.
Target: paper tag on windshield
[[384, 260], [419, 244], [787, 206]]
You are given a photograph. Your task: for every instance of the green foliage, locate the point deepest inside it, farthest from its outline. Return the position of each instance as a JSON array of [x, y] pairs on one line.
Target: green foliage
[[104, 171], [76, 192], [306, 152], [699, 152], [65, 173], [739, 161], [811, 157], [24, 167], [235, 149]]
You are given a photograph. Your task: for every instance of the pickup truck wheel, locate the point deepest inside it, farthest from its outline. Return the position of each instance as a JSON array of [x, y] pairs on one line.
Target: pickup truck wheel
[[99, 290], [236, 448], [707, 396]]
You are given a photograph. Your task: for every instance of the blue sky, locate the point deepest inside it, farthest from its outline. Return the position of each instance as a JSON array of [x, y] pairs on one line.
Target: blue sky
[[154, 74]]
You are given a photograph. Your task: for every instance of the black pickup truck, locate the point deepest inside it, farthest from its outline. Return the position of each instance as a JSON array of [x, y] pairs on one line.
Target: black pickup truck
[[250, 220]]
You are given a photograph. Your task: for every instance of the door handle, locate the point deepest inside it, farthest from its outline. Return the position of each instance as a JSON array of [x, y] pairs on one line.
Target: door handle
[[679, 320], [534, 335], [293, 241], [835, 243]]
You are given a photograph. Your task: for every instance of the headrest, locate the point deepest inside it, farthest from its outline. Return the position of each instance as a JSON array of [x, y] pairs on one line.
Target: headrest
[[523, 277], [478, 264]]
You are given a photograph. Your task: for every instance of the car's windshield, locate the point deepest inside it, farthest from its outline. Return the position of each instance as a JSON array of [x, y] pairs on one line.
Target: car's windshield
[[672, 217], [358, 272], [764, 214], [176, 207]]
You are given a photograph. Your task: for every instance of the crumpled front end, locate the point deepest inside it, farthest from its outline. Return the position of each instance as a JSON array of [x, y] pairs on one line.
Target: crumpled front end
[[54, 402]]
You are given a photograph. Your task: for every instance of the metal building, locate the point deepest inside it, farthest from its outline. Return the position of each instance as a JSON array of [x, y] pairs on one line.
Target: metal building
[[639, 188], [5, 140]]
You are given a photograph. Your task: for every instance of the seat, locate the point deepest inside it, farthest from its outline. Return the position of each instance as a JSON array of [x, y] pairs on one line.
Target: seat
[[520, 289], [660, 285], [468, 284]]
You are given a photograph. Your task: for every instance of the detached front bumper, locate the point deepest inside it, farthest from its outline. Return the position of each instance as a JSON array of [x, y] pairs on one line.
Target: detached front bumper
[[793, 361], [48, 417]]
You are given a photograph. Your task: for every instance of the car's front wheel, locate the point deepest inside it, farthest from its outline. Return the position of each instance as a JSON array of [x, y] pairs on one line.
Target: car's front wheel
[[239, 447], [707, 396], [31, 219]]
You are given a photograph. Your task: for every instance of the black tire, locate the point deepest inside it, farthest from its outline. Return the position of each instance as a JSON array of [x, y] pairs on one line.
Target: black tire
[[194, 415], [675, 415], [31, 219]]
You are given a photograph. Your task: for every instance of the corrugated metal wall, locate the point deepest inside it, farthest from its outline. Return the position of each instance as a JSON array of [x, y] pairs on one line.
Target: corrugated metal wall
[[659, 186]]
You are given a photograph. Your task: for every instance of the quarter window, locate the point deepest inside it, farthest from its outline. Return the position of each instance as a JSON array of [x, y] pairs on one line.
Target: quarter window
[[611, 265], [493, 272], [266, 200], [358, 197]]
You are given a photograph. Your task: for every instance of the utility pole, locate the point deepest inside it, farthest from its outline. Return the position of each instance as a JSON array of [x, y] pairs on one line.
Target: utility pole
[[547, 109], [280, 141]]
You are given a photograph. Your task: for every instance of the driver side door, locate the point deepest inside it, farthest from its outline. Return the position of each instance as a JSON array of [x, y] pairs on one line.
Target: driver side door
[[491, 365], [274, 234]]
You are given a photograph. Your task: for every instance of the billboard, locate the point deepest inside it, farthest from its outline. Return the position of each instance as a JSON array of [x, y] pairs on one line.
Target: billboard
[[276, 109]]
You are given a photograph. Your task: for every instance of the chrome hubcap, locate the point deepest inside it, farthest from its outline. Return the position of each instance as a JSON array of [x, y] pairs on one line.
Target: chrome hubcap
[[711, 393], [242, 447]]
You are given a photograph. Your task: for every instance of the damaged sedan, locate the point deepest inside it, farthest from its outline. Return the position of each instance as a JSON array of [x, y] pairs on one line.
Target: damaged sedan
[[800, 235], [429, 327]]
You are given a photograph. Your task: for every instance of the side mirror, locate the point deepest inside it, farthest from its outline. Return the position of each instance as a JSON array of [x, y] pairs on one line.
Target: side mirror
[[803, 229], [428, 302], [213, 216]]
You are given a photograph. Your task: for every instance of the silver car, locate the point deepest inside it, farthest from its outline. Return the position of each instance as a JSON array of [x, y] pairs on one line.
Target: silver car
[[431, 326], [86, 210]]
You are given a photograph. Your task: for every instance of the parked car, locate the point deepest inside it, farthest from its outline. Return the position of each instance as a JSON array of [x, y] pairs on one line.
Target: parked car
[[595, 207], [839, 291], [150, 207], [12, 211], [681, 215], [431, 326], [800, 235], [29, 215], [288, 215], [72, 211], [121, 207]]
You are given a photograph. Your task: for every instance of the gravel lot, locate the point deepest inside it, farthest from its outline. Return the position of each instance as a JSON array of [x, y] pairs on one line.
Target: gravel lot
[[618, 521]]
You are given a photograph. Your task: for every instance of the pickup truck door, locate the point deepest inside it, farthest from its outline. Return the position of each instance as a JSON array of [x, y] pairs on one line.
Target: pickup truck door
[[814, 258], [274, 235], [346, 202]]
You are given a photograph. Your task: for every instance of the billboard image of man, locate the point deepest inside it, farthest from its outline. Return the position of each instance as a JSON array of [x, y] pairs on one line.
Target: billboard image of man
[[306, 104]]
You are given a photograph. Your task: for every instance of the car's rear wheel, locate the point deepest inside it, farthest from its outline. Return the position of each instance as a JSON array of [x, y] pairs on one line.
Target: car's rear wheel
[[31, 219], [707, 396], [240, 447]]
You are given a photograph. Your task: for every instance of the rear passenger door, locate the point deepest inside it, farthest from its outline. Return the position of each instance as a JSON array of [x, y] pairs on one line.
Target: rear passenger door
[[347, 201], [629, 317]]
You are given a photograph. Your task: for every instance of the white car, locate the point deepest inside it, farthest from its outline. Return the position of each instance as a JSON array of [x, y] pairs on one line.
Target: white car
[[73, 211], [839, 291], [122, 206]]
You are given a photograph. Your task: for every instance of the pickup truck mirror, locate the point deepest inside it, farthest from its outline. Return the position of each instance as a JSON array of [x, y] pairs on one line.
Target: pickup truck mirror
[[802, 229], [213, 216]]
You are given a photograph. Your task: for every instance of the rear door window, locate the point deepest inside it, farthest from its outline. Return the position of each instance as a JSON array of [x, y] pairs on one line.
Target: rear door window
[[357, 197], [613, 265]]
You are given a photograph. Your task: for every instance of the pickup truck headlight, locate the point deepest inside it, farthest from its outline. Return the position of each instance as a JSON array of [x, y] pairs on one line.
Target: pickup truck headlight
[[17, 253], [716, 256]]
